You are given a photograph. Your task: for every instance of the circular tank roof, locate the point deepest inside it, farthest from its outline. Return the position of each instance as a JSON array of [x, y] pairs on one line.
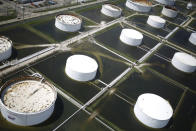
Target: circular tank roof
[[157, 19], [69, 19], [28, 96], [155, 106], [186, 58], [131, 33], [82, 63]]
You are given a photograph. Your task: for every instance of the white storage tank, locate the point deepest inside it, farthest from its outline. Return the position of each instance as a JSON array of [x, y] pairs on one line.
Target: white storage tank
[[131, 37], [68, 22], [192, 38], [169, 11], [81, 68], [5, 48], [111, 10], [184, 62], [27, 101], [166, 2], [139, 5], [156, 21], [152, 110]]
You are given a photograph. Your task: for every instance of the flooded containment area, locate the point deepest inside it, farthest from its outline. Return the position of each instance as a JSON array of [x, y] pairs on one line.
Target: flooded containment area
[[98, 65]]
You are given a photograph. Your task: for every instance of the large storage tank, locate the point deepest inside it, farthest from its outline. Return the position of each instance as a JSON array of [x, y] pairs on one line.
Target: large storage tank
[[131, 37], [169, 11], [81, 68], [156, 21], [166, 2], [139, 5], [184, 62], [111, 10], [27, 101], [68, 22], [192, 38], [152, 110], [5, 48]]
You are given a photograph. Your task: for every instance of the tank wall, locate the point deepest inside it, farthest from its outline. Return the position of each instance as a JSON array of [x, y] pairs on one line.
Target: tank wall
[[129, 41], [79, 76], [137, 7], [154, 23], [67, 27], [192, 38], [23, 119], [169, 13], [39, 117], [146, 120], [110, 13], [181, 66], [18, 119]]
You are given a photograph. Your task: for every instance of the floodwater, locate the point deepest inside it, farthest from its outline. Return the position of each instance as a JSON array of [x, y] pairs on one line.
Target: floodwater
[[82, 122], [166, 68], [119, 114], [95, 15], [111, 39], [22, 37], [148, 82], [108, 62], [166, 52], [140, 22], [193, 24], [63, 109], [82, 91], [181, 38]]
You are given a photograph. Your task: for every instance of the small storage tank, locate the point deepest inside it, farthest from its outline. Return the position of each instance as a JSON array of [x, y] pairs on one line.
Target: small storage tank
[[139, 5], [131, 37], [27, 101], [68, 22], [192, 38], [156, 21], [184, 62], [152, 110], [5, 48], [166, 2], [81, 68], [169, 11], [111, 10]]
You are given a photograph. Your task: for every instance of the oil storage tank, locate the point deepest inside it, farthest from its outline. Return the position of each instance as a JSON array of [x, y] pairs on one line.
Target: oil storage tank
[[139, 5], [5, 48], [131, 37], [27, 101], [68, 22], [192, 38], [184, 62], [152, 110], [156, 21], [169, 11], [166, 2], [111, 10], [81, 68]]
